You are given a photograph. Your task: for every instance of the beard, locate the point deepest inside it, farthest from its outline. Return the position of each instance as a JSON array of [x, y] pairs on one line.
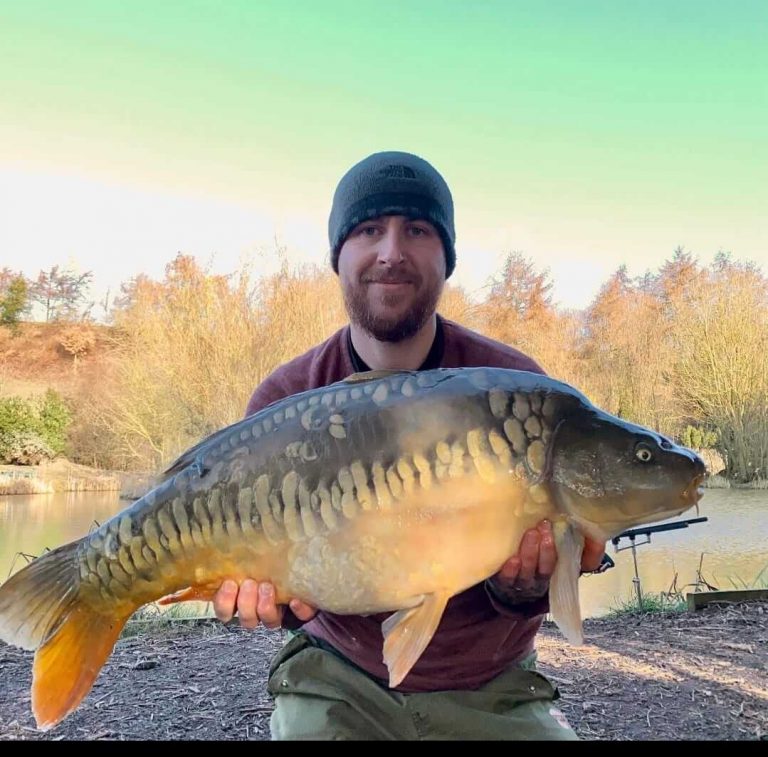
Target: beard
[[394, 328]]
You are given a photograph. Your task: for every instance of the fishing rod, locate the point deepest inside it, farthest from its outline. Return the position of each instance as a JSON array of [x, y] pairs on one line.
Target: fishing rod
[[633, 533]]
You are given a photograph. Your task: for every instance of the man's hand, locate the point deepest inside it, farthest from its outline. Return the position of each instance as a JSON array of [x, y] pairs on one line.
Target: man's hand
[[255, 603], [526, 576]]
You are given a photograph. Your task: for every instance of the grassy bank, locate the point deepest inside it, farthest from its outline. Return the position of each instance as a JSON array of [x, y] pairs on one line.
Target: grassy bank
[[57, 476], [721, 482], [675, 598]]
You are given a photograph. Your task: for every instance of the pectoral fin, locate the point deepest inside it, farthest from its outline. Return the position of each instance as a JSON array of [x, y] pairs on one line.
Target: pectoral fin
[[564, 585], [190, 594], [407, 633]]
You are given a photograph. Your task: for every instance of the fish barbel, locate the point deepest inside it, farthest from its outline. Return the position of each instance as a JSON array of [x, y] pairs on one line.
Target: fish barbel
[[389, 491]]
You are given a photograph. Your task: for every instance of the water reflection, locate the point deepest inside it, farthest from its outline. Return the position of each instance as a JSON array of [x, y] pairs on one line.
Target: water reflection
[[731, 549], [31, 523]]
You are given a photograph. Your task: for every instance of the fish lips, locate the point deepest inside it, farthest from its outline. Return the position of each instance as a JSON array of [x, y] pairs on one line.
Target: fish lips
[[693, 494]]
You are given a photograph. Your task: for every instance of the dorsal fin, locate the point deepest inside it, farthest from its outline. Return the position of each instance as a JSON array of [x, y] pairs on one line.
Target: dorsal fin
[[357, 378], [188, 457]]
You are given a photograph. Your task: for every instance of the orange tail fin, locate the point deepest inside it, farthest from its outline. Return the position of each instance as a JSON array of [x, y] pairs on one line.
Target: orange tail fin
[[67, 664], [40, 608]]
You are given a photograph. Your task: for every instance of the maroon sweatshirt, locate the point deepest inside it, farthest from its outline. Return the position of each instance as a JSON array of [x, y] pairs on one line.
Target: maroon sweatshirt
[[478, 637]]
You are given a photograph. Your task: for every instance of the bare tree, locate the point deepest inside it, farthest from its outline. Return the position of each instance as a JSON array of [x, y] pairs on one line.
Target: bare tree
[[60, 292], [721, 376]]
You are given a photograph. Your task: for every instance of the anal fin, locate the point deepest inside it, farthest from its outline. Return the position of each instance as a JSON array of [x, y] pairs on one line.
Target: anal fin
[[408, 632]]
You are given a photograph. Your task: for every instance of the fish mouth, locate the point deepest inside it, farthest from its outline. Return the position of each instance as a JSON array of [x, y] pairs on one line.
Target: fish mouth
[[694, 492]]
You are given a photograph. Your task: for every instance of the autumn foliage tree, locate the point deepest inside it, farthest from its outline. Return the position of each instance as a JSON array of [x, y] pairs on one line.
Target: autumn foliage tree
[[193, 346], [77, 340], [518, 311], [624, 349], [456, 305]]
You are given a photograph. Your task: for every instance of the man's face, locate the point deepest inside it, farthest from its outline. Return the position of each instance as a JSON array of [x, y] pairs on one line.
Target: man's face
[[392, 272]]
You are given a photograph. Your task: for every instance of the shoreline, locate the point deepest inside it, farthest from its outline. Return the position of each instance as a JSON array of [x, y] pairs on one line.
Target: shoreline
[[61, 475]]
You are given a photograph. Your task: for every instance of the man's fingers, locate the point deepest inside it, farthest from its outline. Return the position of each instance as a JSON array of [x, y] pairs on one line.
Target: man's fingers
[[224, 601], [547, 551], [529, 555], [247, 600], [592, 555], [510, 570], [302, 611], [271, 615]]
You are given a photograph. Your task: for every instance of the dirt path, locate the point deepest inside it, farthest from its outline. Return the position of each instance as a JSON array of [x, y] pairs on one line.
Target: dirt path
[[675, 677]]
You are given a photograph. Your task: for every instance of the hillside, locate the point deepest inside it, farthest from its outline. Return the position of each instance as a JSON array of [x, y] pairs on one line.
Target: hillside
[[41, 356], [34, 359]]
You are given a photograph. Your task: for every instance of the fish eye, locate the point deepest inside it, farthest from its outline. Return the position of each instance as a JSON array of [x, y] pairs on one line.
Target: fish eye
[[643, 453]]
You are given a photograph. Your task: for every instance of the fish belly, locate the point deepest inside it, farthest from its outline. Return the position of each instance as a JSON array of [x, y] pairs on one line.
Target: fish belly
[[442, 541]]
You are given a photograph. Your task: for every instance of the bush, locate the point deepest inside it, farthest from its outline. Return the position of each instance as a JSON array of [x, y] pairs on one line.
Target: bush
[[32, 429], [54, 420], [698, 438], [24, 448], [17, 414]]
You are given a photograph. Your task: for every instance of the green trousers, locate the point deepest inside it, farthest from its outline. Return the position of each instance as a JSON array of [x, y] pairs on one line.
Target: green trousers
[[321, 696]]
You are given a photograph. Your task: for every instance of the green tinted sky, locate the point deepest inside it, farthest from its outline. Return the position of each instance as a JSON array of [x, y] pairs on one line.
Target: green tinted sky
[[585, 134]]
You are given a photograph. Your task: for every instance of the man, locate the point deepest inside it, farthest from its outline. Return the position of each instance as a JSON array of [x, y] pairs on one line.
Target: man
[[392, 242]]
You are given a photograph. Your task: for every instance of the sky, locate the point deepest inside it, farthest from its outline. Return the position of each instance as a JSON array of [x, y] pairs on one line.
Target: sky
[[585, 135]]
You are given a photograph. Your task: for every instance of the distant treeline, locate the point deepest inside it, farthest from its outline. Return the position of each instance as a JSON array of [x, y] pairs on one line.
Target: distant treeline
[[683, 350], [59, 294]]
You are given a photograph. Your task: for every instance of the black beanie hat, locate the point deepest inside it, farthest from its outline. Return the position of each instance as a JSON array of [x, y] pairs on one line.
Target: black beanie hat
[[392, 183]]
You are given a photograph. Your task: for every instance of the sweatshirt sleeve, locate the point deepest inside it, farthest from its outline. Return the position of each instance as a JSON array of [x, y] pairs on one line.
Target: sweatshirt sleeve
[[520, 610], [268, 391]]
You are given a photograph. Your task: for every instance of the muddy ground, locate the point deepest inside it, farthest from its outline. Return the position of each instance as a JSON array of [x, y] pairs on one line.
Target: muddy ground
[[688, 676]]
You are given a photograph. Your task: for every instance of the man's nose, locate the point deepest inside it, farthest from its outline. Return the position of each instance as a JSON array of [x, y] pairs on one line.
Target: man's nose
[[390, 249]]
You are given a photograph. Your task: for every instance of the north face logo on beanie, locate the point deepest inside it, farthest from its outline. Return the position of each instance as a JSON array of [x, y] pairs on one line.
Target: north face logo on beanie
[[396, 172]]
